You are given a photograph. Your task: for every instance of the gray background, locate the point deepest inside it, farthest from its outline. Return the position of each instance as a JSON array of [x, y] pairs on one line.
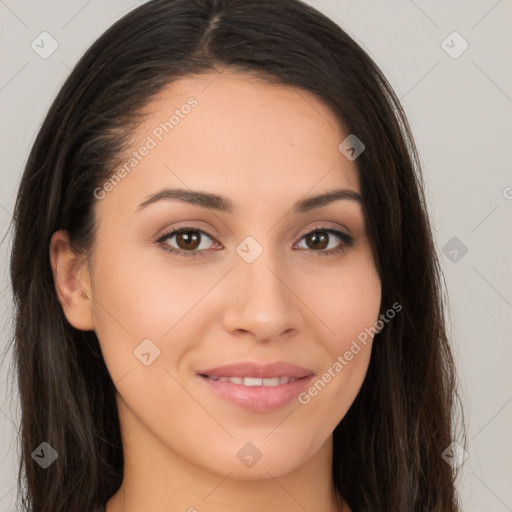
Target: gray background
[[459, 111]]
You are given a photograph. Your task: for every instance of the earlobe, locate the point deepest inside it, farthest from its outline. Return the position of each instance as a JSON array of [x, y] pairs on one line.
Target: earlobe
[[72, 282]]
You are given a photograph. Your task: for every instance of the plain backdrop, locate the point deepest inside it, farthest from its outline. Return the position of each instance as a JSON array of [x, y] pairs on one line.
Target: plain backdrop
[[459, 106]]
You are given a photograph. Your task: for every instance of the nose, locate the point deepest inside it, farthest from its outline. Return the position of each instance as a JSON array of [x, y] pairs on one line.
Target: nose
[[261, 302]]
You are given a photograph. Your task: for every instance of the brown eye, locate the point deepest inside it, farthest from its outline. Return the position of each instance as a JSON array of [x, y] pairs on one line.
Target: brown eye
[[191, 242], [317, 240], [188, 241], [320, 239]]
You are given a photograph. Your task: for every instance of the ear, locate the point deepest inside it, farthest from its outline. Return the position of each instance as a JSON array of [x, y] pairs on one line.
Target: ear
[[72, 282]]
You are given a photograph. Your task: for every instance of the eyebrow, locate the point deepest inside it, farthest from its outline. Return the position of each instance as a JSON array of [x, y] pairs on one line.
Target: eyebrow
[[223, 204]]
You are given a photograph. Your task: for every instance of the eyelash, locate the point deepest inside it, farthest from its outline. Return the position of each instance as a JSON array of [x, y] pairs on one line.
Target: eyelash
[[346, 241]]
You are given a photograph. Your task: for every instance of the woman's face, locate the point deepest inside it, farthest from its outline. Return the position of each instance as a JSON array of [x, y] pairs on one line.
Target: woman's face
[[258, 283]]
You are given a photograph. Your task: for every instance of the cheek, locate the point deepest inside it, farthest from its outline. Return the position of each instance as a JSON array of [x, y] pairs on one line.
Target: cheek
[[137, 300], [143, 297], [348, 309], [346, 300]]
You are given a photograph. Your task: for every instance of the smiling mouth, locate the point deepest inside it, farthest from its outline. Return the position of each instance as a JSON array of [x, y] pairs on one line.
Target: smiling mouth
[[254, 381], [258, 394]]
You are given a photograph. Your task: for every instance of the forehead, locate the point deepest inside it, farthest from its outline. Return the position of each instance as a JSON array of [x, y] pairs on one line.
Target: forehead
[[235, 134]]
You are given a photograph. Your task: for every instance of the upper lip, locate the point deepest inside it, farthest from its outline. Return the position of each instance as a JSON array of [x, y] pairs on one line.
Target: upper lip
[[264, 371]]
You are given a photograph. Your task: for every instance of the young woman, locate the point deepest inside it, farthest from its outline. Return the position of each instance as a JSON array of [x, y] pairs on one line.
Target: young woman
[[227, 294]]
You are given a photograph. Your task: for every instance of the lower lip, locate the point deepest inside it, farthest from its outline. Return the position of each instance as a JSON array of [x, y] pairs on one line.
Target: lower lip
[[258, 398]]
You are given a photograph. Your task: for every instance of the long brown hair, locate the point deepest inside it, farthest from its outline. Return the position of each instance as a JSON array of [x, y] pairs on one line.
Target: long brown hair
[[388, 448]]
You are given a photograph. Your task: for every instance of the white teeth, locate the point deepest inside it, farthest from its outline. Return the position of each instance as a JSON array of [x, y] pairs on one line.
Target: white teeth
[[255, 381]]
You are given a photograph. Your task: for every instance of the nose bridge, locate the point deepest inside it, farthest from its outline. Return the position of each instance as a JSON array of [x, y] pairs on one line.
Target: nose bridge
[[258, 268], [262, 302]]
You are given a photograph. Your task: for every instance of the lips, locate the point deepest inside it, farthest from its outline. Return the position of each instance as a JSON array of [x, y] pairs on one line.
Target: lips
[[242, 370], [257, 387], [254, 381]]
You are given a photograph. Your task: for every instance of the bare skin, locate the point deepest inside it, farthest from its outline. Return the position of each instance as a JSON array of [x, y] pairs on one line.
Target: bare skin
[[264, 147]]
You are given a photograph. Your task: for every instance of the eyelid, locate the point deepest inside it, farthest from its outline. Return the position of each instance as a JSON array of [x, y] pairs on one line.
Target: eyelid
[[192, 225], [325, 226]]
